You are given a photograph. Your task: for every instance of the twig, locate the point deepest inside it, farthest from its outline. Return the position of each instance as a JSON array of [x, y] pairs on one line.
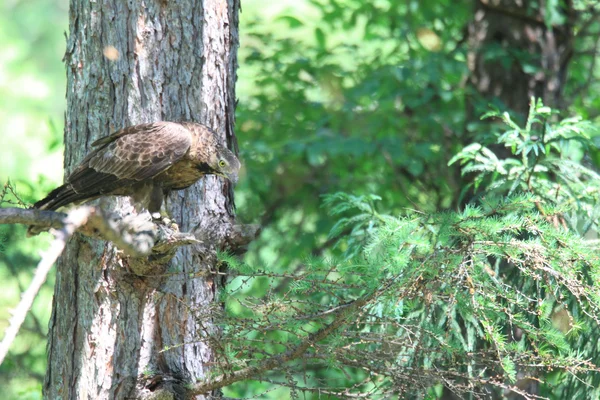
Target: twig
[[9, 188], [74, 220]]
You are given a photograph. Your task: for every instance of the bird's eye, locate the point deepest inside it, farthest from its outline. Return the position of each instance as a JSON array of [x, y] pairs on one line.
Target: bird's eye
[[222, 163]]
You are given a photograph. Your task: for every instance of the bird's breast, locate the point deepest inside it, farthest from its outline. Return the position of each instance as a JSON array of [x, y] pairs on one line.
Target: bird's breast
[[181, 175]]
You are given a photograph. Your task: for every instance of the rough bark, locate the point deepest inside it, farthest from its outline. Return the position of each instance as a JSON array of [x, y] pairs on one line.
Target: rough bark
[[128, 63], [512, 56]]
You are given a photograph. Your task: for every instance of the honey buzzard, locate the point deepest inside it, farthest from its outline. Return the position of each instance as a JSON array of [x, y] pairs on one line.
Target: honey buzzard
[[145, 162]]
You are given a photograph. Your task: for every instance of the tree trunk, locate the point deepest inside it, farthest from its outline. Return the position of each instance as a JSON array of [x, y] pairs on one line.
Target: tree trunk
[[514, 55], [114, 334]]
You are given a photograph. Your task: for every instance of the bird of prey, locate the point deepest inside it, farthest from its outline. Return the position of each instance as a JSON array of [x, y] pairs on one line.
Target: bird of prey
[[146, 162]]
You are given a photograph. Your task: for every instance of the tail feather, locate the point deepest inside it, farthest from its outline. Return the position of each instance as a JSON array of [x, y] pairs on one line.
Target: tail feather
[[61, 196]]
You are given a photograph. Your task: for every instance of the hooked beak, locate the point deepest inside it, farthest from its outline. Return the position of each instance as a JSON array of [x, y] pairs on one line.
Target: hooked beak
[[233, 178]]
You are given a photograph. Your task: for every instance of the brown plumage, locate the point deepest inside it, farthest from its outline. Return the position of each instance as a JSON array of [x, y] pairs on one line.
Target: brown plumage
[[145, 162]]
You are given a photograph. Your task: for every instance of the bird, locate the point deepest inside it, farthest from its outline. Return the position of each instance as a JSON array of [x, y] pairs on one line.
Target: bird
[[146, 162]]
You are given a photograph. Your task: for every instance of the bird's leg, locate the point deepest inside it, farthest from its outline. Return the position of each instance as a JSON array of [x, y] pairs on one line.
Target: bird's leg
[[165, 204], [171, 223], [157, 206], [155, 200]]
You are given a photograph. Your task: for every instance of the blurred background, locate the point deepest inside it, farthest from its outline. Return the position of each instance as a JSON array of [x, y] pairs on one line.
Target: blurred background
[[359, 96]]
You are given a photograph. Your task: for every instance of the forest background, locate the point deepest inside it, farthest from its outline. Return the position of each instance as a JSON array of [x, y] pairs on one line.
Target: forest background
[[368, 98]]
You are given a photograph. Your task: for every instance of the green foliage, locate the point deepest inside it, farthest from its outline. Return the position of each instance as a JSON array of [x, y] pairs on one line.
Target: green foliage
[[358, 98], [353, 98], [32, 87], [544, 158], [440, 291], [341, 104], [355, 229], [475, 299]]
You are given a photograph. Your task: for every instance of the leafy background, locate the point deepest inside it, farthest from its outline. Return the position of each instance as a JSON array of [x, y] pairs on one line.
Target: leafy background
[[32, 102], [355, 96]]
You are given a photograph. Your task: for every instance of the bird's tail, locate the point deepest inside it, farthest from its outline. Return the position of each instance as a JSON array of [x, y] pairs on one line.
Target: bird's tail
[[61, 196]]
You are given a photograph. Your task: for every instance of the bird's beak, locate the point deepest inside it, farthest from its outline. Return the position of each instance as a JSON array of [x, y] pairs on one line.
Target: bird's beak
[[233, 178]]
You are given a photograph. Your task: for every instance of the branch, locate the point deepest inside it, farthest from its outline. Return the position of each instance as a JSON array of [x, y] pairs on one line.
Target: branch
[[340, 316], [39, 218], [71, 222], [240, 235], [135, 235]]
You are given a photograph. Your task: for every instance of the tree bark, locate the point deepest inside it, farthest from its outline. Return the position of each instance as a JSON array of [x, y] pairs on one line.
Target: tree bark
[[114, 334], [513, 56]]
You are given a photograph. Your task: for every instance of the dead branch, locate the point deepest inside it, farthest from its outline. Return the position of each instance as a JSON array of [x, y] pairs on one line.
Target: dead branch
[[71, 222], [32, 217], [340, 318], [136, 235]]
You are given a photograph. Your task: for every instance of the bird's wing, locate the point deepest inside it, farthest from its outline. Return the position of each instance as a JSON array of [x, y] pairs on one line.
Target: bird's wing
[[148, 129], [131, 155]]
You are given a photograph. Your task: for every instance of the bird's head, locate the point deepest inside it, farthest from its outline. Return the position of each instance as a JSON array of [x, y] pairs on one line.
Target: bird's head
[[225, 164]]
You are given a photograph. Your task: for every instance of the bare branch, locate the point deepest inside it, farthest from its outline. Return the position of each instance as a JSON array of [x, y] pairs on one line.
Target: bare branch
[[73, 220], [42, 218], [134, 234], [340, 317]]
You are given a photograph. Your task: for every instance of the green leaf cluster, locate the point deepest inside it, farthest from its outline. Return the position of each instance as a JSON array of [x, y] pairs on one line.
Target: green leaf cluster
[[542, 157]]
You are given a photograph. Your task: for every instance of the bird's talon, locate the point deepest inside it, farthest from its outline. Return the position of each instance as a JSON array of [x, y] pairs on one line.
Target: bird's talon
[[156, 216]]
